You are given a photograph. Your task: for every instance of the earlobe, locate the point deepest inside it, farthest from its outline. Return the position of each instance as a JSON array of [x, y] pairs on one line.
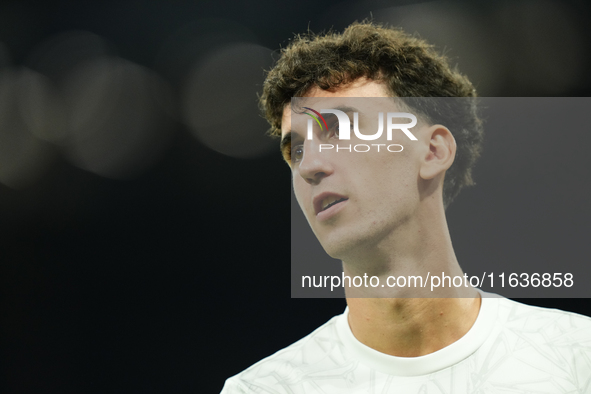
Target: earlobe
[[441, 154]]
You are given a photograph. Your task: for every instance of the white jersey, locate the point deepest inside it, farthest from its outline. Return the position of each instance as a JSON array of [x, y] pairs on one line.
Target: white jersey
[[511, 348]]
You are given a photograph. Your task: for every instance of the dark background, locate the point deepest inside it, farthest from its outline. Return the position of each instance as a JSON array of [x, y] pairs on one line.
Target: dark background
[[141, 254]]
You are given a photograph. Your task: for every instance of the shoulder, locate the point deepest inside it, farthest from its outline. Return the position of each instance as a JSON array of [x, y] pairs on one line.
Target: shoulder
[[547, 323], [316, 351], [539, 339]]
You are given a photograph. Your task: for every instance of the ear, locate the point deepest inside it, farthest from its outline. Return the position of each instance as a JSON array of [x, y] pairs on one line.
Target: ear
[[441, 154]]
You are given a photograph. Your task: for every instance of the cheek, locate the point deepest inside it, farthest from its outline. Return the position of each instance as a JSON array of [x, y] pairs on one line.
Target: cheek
[[388, 181], [301, 191]]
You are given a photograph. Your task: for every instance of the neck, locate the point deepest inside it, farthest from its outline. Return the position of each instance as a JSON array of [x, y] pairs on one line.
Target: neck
[[411, 327]]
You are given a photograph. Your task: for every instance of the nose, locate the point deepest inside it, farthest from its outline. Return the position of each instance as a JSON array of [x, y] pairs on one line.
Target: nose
[[315, 164]]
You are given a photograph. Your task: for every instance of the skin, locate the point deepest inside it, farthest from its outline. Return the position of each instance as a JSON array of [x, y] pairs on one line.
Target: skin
[[393, 223]]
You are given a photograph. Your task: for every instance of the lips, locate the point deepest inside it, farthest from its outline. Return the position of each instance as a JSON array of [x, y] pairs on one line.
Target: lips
[[325, 201]]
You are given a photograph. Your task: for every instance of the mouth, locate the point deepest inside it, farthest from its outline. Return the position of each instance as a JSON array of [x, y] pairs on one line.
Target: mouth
[[326, 201], [329, 202]]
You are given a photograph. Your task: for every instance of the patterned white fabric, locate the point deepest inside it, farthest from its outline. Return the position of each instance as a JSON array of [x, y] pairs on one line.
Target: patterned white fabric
[[512, 348]]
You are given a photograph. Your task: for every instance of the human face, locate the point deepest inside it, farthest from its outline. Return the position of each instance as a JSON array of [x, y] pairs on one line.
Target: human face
[[375, 192]]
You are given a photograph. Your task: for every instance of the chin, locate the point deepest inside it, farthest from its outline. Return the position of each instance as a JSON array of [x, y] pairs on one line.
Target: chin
[[339, 246]]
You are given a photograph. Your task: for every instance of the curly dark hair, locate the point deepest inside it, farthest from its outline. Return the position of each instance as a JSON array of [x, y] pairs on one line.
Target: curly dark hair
[[409, 67]]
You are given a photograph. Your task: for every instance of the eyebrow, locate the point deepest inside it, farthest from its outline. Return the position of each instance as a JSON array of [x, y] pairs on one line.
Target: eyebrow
[[342, 108], [345, 108]]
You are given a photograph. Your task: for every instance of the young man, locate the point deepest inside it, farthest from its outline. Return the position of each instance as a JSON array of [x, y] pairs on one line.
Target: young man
[[383, 214]]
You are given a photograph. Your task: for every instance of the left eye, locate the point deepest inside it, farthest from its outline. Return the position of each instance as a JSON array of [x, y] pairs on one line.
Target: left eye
[[333, 130]]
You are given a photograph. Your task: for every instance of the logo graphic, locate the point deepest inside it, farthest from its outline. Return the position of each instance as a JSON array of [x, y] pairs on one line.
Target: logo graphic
[[316, 119], [345, 124]]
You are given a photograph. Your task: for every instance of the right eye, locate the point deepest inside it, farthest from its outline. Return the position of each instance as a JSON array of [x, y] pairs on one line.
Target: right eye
[[297, 153]]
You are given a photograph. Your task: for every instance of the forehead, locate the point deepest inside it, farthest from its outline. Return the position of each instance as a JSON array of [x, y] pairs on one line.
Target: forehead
[[361, 87]]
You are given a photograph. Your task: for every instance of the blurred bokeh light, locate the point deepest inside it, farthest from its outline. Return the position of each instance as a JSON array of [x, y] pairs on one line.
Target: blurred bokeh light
[[23, 157], [115, 128], [41, 107], [77, 96], [218, 103]]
